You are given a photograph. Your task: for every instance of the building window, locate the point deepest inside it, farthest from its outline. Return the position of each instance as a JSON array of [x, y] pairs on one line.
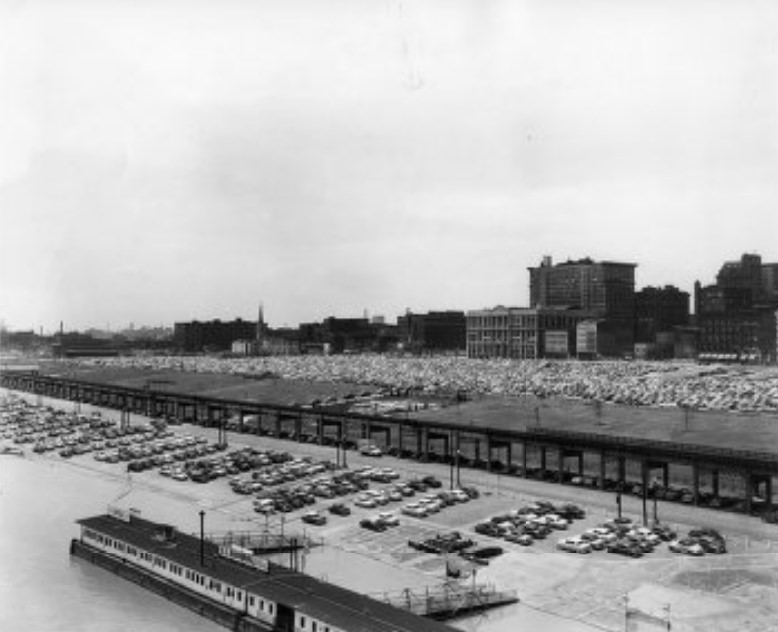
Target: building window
[[302, 622]]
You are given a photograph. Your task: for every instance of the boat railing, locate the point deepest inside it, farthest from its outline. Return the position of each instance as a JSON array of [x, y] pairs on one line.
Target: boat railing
[[262, 541]]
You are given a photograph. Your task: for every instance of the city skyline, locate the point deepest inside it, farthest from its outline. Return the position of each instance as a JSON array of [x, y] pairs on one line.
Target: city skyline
[[182, 161]]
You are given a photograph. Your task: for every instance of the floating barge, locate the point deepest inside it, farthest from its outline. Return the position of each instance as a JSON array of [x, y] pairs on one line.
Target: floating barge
[[230, 585]]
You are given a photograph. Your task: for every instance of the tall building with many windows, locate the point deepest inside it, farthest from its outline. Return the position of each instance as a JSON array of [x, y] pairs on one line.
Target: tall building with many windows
[[736, 315], [605, 289]]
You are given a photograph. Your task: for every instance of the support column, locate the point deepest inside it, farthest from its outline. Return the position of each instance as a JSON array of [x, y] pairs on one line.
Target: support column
[[715, 483], [622, 468], [543, 460], [524, 459], [696, 482], [749, 490], [560, 465], [644, 483], [602, 469], [488, 453]]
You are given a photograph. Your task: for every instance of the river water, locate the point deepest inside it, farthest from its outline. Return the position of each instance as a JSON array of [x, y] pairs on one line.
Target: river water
[[43, 589]]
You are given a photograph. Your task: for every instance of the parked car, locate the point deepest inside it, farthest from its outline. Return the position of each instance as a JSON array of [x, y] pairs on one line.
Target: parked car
[[388, 518], [414, 509], [624, 547], [314, 518], [366, 502], [339, 509], [574, 545], [688, 546], [519, 538], [373, 524]]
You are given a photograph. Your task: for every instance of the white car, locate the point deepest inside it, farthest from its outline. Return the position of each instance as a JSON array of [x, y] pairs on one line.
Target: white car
[[365, 501], [414, 509], [389, 518], [574, 545], [432, 506], [687, 547], [556, 522], [602, 533], [459, 495]]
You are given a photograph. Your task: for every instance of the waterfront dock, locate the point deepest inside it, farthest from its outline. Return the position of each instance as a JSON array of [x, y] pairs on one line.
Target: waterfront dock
[[450, 600]]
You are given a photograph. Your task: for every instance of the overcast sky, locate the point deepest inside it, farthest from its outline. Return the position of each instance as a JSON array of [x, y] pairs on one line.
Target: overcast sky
[[165, 160]]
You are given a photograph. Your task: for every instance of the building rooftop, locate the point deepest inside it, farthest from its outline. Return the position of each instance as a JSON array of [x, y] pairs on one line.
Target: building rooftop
[[333, 605]]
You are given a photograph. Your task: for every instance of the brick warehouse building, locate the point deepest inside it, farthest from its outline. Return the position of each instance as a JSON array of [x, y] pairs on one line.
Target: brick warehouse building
[[523, 333]]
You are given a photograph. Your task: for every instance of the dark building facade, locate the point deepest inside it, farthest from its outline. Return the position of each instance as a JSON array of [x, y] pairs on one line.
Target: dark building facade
[[434, 332], [75, 345], [214, 335], [347, 335], [658, 311], [605, 289], [736, 315]]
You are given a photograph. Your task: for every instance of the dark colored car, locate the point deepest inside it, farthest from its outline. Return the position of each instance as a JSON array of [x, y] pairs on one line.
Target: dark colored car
[[372, 524], [339, 509], [431, 481], [624, 548], [314, 518]]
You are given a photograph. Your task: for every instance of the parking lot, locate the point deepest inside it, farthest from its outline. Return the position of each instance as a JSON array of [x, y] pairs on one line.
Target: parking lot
[[738, 586]]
